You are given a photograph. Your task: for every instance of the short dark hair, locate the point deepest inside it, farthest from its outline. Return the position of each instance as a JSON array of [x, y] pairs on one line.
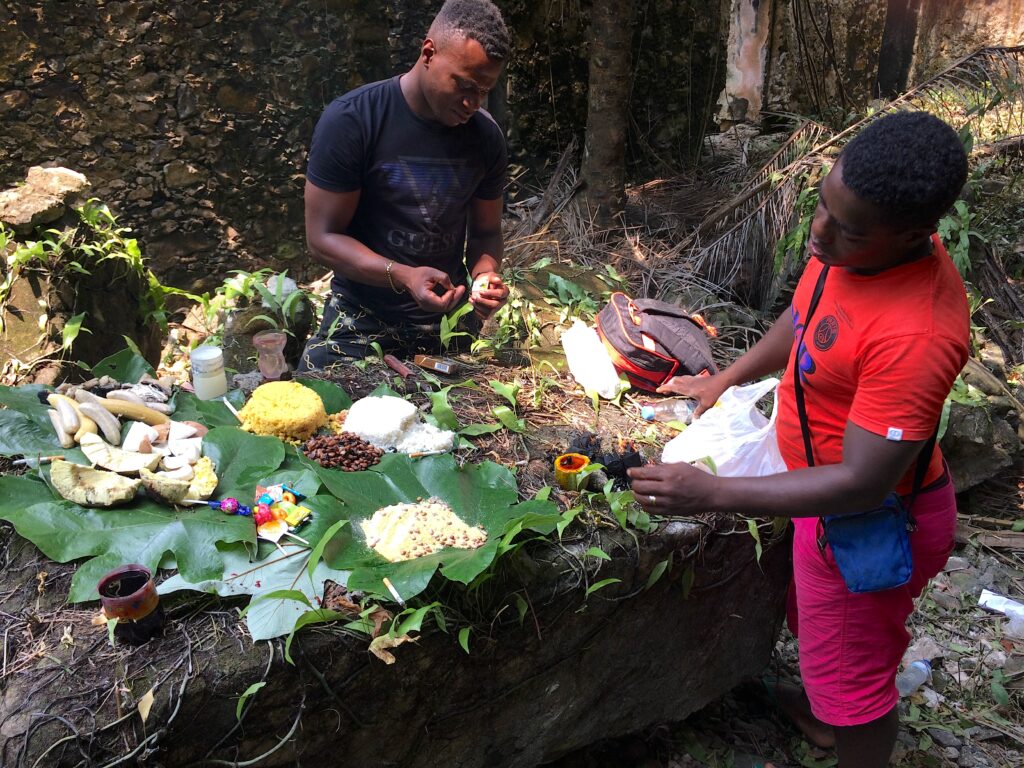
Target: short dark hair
[[478, 20], [912, 165]]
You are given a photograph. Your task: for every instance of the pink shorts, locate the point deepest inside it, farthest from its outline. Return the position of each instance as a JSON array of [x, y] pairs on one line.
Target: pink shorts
[[851, 644]]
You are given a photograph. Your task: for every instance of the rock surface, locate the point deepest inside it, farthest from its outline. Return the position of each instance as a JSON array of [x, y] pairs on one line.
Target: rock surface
[[573, 672], [43, 198], [193, 118]]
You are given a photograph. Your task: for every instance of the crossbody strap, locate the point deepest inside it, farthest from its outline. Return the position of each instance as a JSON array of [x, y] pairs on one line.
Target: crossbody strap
[[798, 387], [924, 458]]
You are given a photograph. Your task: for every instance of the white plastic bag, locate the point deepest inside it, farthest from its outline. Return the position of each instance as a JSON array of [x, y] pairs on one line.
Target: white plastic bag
[[588, 360], [737, 437]]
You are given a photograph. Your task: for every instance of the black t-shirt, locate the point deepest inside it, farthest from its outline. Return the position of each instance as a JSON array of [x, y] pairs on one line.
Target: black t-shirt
[[417, 181]]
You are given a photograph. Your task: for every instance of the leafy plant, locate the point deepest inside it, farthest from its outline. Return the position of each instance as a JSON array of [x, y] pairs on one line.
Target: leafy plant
[[449, 323], [61, 254], [956, 230], [791, 246]]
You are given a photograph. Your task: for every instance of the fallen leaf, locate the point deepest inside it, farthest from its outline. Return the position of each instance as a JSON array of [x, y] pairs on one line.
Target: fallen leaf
[[336, 598], [379, 646], [378, 617], [146, 703]]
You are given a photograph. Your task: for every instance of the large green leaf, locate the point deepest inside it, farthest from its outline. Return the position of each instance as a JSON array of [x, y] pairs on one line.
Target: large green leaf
[[212, 413], [126, 365], [242, 460], [24, 426], [481, 494], [141, 533], [281, 571], [335, 398]]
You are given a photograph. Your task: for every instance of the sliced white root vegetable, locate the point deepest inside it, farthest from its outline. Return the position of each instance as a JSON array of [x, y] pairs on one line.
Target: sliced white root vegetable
[[175, 462], [137, 433], [191, 448], [180, 431], [181, 473]]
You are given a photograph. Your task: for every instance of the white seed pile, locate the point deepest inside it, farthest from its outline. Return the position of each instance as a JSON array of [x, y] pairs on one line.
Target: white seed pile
[[406, 531]]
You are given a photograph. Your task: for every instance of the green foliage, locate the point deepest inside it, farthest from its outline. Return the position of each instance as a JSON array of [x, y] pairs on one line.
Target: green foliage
[[59, 255], [144, 533], [449, 323], [243, 289], [956, 230], [25, 429], [481, 494], [601, 585], [791, 247], [127, 365], [755, 534], [573, 299], [212, 413], [249, 692]]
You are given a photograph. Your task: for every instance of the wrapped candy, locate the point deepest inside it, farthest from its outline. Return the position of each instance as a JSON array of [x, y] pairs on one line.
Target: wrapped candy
[[278, 511]]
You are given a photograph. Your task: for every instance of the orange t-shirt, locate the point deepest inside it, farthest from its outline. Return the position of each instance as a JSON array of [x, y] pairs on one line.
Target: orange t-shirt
[[882, 352]]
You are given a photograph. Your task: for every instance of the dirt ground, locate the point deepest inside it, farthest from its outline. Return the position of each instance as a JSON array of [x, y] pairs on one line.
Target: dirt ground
[[971, 715]]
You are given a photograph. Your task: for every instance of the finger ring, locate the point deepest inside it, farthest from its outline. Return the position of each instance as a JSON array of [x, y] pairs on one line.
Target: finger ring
[[650, 499]]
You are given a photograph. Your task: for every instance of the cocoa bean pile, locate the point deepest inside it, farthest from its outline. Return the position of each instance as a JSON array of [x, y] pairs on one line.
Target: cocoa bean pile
[[344, 451]]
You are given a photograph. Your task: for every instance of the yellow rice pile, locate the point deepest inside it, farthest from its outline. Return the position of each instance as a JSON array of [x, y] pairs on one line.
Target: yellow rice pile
[[284, 409]]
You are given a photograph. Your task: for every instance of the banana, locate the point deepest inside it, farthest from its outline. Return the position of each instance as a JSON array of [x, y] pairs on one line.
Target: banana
[[66, 441], [88, 427], [67, 411], [124, 394], [132, 411], [105, 420]]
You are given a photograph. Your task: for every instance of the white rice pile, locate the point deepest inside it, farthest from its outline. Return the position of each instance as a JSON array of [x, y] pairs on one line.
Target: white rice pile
[[393, 423]]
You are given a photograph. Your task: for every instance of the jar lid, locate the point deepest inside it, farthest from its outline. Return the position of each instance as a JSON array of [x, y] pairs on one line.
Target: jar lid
[[207, 353]]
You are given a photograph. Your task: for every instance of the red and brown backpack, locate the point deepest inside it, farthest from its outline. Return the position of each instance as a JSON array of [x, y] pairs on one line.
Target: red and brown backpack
[[651, 341]]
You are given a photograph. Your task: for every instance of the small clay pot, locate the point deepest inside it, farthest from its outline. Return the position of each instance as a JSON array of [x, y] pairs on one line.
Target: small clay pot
[[128, 593]]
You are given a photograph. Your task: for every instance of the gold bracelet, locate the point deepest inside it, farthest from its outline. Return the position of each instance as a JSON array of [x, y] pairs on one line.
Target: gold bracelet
[[387, 271]]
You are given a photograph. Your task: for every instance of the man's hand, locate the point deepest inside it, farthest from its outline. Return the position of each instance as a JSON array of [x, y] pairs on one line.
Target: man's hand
[[488, 294], [704, 389], [432, 289], [673, 489]]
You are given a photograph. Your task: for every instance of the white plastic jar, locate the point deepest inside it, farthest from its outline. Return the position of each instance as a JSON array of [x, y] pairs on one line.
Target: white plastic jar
[[208, 377]]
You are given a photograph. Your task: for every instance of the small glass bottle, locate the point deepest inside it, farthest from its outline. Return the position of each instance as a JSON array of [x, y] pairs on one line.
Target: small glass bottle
[[270, 346], [208, 377]]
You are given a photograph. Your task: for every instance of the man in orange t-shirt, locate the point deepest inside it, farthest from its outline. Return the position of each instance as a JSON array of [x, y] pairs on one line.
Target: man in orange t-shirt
[[882, 350]]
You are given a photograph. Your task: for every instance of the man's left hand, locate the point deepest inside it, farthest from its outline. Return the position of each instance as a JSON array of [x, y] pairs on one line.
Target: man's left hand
[[673, 489], [487, 300]]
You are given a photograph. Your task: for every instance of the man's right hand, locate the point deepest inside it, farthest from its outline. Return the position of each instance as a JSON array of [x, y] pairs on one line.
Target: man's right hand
[[432, 289], [704, 389]]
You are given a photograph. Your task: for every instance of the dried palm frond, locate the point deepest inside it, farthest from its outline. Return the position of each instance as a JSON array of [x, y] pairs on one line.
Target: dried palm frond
[[734, 244]]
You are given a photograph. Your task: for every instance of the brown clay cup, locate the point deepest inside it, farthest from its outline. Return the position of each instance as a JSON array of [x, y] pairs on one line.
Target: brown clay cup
[[128, 593]]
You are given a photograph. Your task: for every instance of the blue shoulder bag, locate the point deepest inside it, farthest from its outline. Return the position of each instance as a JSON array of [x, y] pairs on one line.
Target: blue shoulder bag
[[871, 549]]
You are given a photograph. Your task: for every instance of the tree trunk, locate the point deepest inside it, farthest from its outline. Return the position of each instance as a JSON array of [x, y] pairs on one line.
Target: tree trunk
[[604, 159]]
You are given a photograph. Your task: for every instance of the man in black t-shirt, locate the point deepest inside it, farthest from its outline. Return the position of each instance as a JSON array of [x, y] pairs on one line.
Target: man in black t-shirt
[[404, 194]]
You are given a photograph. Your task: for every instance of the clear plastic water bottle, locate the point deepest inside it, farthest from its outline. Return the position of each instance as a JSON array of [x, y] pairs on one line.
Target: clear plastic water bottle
[[668, 410], [913, 677]]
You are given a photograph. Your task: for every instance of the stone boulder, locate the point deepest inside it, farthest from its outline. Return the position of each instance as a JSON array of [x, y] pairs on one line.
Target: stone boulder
[[979, 443], [74, 278], [571, 671], [44, 197]]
